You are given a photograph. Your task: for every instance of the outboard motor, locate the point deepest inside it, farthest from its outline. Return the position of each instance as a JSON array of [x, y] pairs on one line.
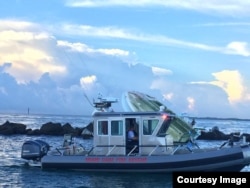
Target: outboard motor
[[34, 149]]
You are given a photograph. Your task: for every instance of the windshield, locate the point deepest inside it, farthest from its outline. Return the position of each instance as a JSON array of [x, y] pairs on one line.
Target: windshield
[[177, 128]]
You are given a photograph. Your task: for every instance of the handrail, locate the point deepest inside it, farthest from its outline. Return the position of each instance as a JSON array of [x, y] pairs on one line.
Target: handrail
[[149, 152], [132, 150], [111, 150], [153, 150]]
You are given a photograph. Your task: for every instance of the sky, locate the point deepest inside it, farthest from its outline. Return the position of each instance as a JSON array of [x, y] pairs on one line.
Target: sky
[[56, 56]]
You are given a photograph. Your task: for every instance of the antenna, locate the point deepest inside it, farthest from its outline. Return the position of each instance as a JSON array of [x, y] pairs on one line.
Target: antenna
[[85, 95]]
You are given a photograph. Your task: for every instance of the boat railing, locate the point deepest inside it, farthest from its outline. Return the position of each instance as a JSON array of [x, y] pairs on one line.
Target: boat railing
[[135, 149], [111, 150], [132, 150]]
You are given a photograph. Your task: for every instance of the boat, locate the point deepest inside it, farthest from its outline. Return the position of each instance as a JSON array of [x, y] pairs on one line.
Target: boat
[[180, 129], [156, 151]]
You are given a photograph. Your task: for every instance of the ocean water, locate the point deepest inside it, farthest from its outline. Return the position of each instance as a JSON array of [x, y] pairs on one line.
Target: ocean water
[[15, 173]]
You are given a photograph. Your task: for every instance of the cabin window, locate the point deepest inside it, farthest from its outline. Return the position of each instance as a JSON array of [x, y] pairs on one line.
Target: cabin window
[[117, 127], [164, 127], [103, 127], [149, 126]]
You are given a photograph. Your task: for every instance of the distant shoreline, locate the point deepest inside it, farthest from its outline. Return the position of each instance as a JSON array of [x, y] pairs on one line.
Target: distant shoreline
[[217, 118], [90, 116]]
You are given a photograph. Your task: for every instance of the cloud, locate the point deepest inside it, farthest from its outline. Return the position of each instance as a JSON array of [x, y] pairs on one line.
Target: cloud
[[26, 50], [196, 98], [18, 25], [223, 24], [53, 76], [224, 7], [25, 47], [233, 48], [119, 33], [191, 103], [239, 48], [168, 96], [161, 71], [87, 82], [108, 31], [231, 82], [80, 47]]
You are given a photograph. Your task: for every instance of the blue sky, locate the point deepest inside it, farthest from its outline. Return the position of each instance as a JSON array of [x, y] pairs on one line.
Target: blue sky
[[192, 55]]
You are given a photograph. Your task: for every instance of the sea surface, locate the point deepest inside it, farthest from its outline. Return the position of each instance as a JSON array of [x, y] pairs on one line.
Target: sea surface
[[14, 173]]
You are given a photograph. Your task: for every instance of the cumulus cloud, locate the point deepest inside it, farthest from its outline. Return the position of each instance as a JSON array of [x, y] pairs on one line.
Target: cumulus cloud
[[27, 51], [87, 82], [194, 98], [54, 76], [235, 89], [231, 82]]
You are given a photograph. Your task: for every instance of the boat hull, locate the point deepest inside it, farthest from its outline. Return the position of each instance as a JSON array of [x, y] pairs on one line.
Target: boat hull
[[232, 159]]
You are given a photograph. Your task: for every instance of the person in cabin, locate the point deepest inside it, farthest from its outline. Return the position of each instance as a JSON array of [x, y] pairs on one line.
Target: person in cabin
[[132, 135]]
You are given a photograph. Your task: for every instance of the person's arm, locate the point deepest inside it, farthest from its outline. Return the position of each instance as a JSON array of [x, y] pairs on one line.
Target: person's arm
[[134, 135]]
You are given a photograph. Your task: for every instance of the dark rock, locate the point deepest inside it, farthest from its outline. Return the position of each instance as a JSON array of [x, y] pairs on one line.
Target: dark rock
[[52, 129], [56, 129], [212, 135], [12, 128], [68, 129], [34, 132], [216, 134], [49, 128], [79, 131]]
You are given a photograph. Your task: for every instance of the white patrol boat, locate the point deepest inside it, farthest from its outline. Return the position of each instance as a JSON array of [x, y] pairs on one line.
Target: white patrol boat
[[165, 144]]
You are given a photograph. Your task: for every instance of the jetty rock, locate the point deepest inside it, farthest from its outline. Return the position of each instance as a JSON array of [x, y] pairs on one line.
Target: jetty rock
[[50, 128], [57, 129], [216, 134], [213, 134], [9, 128]]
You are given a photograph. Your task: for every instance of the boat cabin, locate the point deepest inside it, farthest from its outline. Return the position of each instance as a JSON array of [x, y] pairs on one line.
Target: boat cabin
[[156, 131], [111, 133]]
